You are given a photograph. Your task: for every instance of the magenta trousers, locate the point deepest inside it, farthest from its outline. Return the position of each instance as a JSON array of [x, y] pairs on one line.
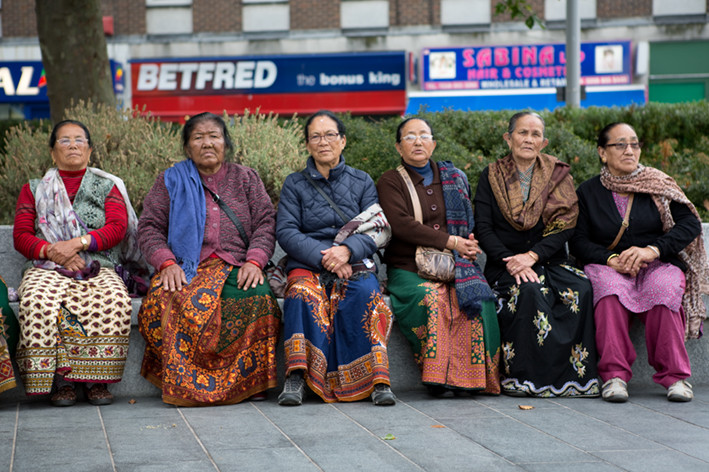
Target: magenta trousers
[[664, 337]]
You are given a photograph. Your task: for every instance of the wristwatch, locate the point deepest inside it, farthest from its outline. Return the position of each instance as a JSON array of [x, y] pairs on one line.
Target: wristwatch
[[84, 242]]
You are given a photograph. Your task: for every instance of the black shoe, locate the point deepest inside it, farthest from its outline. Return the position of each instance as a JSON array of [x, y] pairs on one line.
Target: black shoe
[[64, 396], [293, 390], [439, 391], [383, 396]]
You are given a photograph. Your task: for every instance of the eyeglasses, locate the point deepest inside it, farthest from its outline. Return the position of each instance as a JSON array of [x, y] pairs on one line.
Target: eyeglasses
[[411, 138], [66, 142], [329, 137], [623, 146]]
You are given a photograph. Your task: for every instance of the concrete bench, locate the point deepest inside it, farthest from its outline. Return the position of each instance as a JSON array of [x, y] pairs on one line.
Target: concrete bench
[[404, 373]]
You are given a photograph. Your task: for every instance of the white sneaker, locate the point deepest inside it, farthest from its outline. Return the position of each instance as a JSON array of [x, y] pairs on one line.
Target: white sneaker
[[680, 391], [615, 390]]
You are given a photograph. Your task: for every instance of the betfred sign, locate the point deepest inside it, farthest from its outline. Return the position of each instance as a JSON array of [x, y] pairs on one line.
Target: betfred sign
[[362, 83], [197, 76]]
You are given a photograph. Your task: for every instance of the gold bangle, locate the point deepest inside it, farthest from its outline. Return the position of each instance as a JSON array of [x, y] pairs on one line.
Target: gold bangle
[[455, 242], [611, 257], [84, 243], [533, 255]]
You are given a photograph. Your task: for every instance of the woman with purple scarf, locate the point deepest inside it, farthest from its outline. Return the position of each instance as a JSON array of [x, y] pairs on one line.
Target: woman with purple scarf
[[210, 321], [526, 210], [451, 326], [639, 238]]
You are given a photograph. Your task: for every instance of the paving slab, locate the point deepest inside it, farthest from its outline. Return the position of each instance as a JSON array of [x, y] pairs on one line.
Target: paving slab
[[474, 433]]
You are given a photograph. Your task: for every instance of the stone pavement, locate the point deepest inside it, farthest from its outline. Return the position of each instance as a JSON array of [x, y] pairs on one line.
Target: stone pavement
[[475, 433]]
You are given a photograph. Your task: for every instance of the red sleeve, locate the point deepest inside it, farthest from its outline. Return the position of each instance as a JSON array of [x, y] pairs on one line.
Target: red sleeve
[[114, 230], [23, 232]]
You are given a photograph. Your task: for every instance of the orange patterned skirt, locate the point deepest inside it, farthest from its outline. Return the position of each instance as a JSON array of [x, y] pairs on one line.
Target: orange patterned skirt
[[211, 343]]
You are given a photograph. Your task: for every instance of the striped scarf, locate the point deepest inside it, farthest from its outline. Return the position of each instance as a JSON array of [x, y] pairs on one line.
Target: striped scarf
[[471, 287]]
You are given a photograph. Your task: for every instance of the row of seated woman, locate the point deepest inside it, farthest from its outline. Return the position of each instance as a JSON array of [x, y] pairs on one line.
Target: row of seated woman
[[533, 323]]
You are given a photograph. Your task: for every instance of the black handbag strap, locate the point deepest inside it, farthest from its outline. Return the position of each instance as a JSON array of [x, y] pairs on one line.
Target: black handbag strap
[[232, 216], [329, 201], [332, 204]]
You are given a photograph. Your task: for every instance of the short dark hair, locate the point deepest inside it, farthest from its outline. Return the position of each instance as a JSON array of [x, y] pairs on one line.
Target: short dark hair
[[58, 126], [340, 125], [200, 118], [603, 135], [513, 121], [403, 123]]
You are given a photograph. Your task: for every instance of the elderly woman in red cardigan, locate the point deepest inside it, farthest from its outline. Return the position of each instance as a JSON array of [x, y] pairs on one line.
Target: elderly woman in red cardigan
[[74, 225], [210, 320]]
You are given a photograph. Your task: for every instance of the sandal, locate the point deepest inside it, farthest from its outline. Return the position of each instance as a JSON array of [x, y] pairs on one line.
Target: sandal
[[65, 396], [98, 394]]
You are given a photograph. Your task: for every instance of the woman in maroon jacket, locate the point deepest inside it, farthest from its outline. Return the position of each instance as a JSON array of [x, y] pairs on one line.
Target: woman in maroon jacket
[[209, 321]]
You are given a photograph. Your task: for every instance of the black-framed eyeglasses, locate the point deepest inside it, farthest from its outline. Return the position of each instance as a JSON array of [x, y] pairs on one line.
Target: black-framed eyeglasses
[[329, 137], [623, 146]]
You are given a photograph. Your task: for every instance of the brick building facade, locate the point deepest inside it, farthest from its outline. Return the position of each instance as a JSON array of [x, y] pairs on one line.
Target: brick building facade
[[174, 29]]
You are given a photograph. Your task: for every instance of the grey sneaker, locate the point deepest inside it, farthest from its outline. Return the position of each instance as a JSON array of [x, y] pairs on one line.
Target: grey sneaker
[[383, 396], [680, 391], [615, 390], [293, 390]]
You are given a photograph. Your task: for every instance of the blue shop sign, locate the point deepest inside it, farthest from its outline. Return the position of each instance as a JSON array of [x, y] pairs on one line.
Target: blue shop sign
[[523, 66]]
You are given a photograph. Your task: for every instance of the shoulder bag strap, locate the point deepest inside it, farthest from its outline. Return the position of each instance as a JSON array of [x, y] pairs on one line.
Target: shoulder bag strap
[[232, 216], [412, 191], [332, 204], [624, 225]]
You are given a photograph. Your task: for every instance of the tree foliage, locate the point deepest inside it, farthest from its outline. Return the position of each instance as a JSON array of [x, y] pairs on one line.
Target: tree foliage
[[519, 9]]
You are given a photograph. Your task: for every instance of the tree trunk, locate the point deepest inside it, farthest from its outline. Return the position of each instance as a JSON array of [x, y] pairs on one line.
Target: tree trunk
[[74, 54]]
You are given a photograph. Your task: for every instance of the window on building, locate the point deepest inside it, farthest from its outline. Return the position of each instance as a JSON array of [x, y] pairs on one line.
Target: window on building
[[465, 12], [364, 14], [555, 10], [265, 15], [678, 7], [168, 16]]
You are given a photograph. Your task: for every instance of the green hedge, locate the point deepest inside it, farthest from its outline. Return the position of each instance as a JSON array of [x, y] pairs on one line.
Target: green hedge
[[676, 138], [136, 148]]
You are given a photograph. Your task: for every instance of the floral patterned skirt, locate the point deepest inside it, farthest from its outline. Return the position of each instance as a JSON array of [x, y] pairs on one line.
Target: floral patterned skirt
[[450, 349], [210, 343], [548, 335], [77, 328], [337, 334]]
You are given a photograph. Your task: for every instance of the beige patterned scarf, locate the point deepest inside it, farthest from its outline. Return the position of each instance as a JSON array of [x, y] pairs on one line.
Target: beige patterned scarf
[[552, 195], [663, 189]]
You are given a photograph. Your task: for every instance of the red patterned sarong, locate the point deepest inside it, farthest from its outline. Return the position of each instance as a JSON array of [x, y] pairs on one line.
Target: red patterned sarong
[[211, 343]]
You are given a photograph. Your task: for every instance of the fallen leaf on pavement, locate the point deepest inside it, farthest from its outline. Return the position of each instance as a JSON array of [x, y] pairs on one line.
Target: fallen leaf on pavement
[[437, 426], [526, 407], [389, 437]]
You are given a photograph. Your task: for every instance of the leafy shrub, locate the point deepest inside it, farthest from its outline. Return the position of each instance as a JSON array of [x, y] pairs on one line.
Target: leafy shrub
[[275, 149], [125, 144], [137, 148]]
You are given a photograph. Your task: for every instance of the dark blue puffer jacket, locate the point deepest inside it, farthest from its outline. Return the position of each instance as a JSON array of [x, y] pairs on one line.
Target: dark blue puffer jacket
[[307, 225]]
